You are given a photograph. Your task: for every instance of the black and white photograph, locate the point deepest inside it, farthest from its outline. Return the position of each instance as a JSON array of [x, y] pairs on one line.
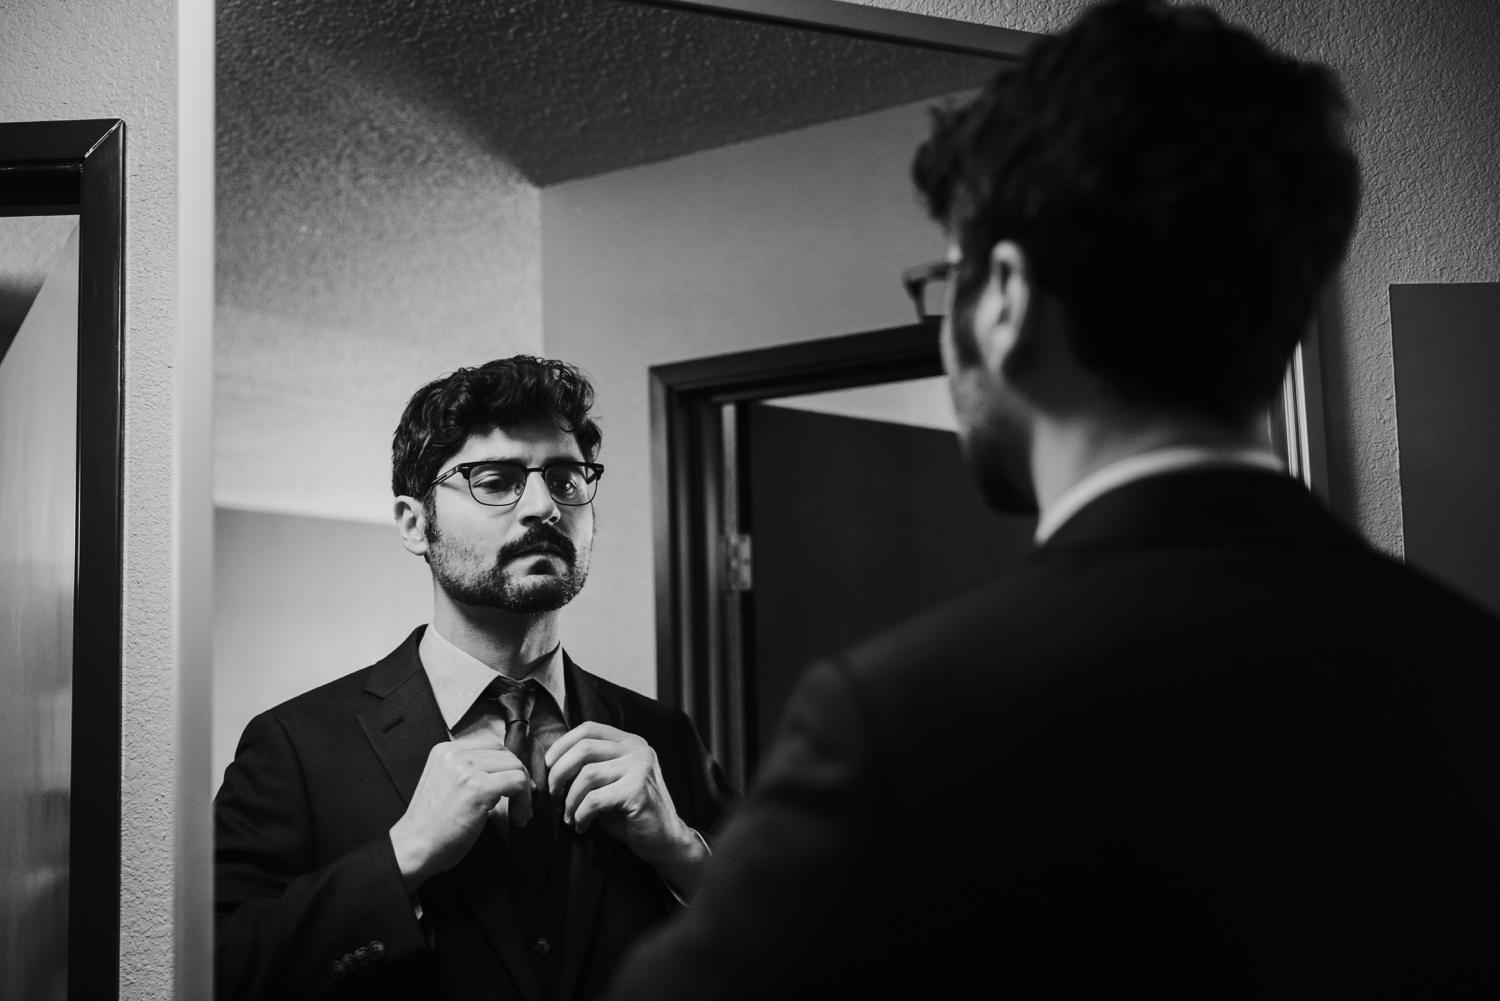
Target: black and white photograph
[[702, 500]]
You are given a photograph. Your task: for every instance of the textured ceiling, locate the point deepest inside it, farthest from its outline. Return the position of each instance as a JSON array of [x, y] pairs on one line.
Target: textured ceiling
[[354, 139], [566, 88]]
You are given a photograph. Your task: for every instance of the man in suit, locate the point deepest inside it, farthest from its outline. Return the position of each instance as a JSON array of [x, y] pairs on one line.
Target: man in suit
[[475, 815], [1204, 742]]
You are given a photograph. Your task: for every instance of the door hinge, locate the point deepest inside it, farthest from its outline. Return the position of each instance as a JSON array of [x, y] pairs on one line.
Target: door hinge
[[737, 562]]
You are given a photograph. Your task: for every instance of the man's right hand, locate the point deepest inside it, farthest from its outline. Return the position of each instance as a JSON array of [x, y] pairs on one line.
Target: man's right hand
[[458, 788]]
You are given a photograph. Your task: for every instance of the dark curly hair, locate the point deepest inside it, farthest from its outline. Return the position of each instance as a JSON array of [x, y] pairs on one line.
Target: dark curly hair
[[442, 415], [1182, 189]]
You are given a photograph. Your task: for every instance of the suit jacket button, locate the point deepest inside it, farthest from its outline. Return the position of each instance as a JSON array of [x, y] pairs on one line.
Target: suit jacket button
[[362, 955], [377, 949], [540, 946], [337, 970]]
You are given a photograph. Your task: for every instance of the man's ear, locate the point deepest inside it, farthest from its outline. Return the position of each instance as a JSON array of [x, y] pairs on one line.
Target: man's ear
[[1001, 316], [411, 522]]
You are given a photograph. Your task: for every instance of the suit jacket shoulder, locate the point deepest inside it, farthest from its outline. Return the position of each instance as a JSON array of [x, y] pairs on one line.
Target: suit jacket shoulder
[[1168, 577]]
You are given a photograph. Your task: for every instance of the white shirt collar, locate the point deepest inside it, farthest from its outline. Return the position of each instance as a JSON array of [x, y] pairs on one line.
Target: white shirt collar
[[1140, 466], [458, 678]]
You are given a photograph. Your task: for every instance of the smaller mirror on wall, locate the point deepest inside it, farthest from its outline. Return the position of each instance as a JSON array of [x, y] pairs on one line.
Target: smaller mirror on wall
[[1445, 345], [61, 450]]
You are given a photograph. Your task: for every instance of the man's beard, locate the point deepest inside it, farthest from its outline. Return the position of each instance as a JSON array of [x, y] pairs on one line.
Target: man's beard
[[496, 587], [998, 455], [992, 431]]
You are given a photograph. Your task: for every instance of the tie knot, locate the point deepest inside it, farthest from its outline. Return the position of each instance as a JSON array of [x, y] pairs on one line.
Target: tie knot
[[515, 700]]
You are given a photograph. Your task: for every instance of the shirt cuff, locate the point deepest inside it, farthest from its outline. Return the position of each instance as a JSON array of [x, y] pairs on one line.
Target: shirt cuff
[[672, 889]]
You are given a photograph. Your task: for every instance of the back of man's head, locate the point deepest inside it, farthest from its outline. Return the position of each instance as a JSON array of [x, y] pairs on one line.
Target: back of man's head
[[523, 389], [1180, 188]]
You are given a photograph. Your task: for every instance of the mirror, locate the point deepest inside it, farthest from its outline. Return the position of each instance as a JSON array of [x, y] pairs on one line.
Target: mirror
[[406, 189], [61, 327], [627, 185], [38, 427]]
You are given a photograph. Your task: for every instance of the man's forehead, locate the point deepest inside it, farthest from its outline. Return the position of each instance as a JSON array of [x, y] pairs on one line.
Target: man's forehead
[[533, 440]]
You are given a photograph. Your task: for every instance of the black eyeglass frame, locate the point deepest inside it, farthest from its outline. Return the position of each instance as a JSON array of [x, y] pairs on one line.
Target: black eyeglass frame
[[593, 473], [916, 279]]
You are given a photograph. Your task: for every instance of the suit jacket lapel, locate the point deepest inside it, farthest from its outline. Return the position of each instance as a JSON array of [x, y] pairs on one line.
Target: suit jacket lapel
[[403, 728], [590, 855], [406, 723]]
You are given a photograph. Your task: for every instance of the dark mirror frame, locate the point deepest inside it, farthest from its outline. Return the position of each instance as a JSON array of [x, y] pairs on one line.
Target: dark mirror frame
[[77, 168]]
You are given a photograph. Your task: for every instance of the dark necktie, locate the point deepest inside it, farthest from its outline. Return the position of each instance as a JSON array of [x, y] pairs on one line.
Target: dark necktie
[[516, 702], [530, 832]]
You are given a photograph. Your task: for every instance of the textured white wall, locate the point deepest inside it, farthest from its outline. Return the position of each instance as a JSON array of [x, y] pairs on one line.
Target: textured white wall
[[117, 59], [793, 237], [423, 253], [1425, 83], [299, 602]]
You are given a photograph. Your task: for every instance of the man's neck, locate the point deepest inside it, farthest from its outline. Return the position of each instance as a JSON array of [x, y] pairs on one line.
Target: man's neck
[[508, 642], [1066, 452]]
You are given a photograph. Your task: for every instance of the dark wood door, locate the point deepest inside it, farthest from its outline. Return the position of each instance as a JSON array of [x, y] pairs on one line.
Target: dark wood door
[[856, 525]]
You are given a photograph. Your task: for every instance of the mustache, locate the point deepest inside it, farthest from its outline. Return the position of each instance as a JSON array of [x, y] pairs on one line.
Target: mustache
[[541, 539]]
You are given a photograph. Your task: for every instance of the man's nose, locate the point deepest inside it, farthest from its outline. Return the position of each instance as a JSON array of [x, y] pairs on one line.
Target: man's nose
[[536, 503]]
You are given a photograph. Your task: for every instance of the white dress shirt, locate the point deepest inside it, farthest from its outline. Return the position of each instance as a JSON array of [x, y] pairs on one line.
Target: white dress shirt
[[1141, 465]]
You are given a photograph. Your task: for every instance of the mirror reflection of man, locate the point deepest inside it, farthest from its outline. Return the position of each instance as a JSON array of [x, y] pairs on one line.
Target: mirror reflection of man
[[474, 815], [1204, 742]]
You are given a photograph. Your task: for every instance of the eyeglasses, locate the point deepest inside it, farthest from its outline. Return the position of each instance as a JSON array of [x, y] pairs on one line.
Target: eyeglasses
[[927, 284], [500, 484]]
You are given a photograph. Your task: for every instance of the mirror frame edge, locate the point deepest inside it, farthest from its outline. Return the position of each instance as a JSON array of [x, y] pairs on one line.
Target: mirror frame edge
[[63, 168]]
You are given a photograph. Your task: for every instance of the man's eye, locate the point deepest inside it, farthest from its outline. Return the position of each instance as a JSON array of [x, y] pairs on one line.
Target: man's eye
[[563, 486], [493, 480]]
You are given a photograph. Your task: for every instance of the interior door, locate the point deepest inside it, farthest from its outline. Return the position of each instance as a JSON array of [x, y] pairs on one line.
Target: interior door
[[856, 523]]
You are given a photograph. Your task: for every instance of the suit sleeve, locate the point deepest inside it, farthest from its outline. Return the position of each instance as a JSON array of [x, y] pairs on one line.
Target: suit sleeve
[[790, 863], [704, 797], [286, 926]]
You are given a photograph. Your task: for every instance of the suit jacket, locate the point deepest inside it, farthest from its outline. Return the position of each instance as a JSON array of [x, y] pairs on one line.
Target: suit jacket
[[309, 901], [1203, 743]]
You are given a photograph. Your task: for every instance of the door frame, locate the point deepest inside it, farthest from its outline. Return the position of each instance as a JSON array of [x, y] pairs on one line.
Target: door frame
[[78, 168], [699, 662]]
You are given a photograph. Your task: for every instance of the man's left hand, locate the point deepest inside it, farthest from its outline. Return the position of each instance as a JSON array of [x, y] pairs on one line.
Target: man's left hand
[[613, 777]]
